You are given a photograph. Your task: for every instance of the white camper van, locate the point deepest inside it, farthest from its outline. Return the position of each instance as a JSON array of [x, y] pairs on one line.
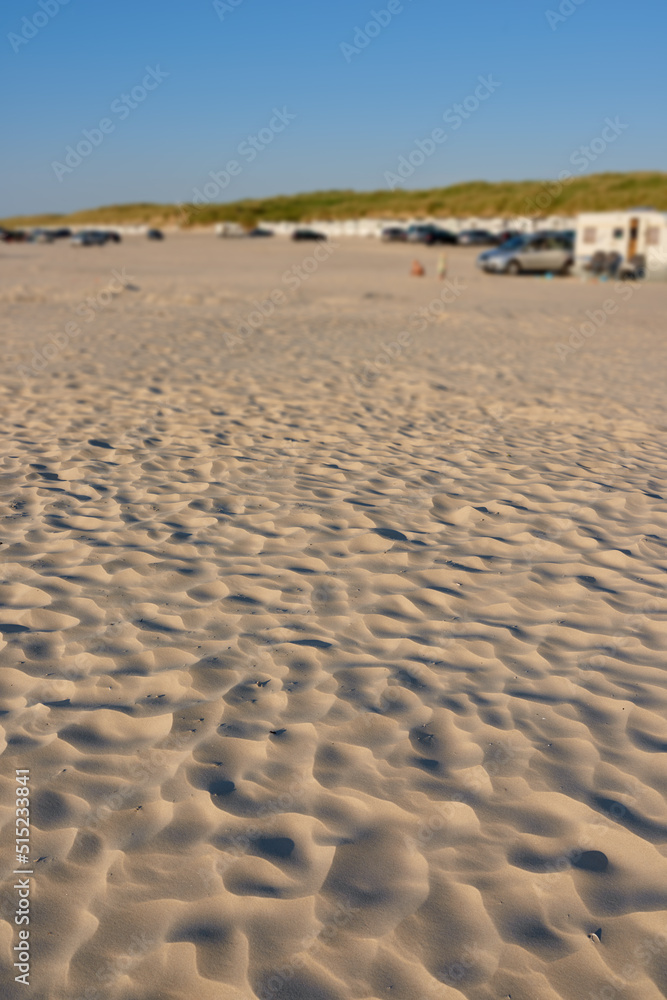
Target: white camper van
[[633, 234]]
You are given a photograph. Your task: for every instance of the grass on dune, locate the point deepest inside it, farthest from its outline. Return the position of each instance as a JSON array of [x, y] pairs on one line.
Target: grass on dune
[[597, 192]]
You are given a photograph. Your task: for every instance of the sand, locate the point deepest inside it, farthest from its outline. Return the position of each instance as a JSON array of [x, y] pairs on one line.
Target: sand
[[338, 667]]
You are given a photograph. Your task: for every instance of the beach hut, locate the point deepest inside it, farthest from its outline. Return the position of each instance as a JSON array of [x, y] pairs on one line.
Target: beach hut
[[632, 233], [554, 223], [229, 229]]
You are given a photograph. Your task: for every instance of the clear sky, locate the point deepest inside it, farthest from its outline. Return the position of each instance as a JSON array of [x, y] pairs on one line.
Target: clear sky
[[556, 79]]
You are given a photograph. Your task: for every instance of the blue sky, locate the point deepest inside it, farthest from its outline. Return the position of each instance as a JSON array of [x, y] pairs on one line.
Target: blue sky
[[355, 113]]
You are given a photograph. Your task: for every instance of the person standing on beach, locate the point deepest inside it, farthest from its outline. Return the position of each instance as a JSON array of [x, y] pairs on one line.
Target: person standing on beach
[[442, 267]]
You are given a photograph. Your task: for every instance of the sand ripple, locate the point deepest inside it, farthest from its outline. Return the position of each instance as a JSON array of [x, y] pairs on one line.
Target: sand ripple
[[334, 692]]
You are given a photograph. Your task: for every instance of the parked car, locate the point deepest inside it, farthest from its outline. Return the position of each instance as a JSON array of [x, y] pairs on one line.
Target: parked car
[[12, 235], [507, 234], [394, 234], [307, 234], [41, 236], [477, 237], [89, 238], [260, 231], [496, 254], [47, 235], [543, 252], [429, 234], [95, 237], [155, 234]]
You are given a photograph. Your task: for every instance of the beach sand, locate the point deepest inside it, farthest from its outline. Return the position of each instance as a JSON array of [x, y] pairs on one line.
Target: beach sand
[[335, 648]]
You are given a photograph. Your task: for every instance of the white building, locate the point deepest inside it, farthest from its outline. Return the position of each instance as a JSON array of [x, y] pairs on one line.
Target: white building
[[631, 233], [371, 228], [229, 229]]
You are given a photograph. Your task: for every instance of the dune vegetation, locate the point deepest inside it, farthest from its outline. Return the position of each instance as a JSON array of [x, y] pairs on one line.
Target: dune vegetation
[[597, 192]]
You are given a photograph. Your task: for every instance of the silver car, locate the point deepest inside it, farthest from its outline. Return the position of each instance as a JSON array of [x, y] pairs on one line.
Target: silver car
[[541, 252]]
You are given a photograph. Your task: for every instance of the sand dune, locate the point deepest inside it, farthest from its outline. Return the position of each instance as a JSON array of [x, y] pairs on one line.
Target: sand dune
[[337, 659]]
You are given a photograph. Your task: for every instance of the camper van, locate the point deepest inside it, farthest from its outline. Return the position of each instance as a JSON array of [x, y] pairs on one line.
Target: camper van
[[637, 238]]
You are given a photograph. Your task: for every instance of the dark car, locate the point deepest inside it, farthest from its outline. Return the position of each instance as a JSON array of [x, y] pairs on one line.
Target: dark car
[[429, 234], [477, 238], [260, 231], [155, 234], [49, 235], [90, 238], [113, 237], [394, 234], [508, 234], [307, 234], [12, 235]]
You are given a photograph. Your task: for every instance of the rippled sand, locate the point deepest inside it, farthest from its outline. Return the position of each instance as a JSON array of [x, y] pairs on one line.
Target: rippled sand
[[339, 670]]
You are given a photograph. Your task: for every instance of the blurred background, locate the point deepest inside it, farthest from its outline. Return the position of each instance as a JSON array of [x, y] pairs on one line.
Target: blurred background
[[360, 99]]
